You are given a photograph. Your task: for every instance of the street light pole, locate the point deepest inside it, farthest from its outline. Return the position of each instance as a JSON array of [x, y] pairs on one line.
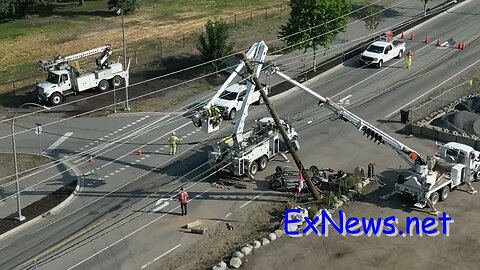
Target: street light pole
[[127, 79], [20, 217]]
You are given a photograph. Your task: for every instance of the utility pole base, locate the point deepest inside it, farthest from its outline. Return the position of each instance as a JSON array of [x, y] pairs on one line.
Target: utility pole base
[[20, 218]]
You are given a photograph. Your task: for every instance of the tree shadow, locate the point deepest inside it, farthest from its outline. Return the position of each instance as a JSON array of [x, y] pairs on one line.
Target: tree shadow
[[386, 14], [64, 9]]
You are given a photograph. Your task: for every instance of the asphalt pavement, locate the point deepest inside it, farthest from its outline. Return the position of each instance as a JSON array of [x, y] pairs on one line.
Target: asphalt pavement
[[123, 189]]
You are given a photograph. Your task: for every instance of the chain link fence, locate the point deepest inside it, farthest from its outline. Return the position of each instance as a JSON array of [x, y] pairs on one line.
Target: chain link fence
[[441, 98], [156, 50]]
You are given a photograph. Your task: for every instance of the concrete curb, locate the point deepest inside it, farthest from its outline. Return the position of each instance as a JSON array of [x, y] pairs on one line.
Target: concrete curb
[[54, 210]]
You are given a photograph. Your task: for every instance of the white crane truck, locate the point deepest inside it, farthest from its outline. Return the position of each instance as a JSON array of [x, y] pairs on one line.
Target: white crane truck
[[245, 153], [382, 51], [64, 79], [424, 185]]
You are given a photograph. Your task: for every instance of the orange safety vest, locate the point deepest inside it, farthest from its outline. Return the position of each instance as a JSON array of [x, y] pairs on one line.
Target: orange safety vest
[[183, 197]]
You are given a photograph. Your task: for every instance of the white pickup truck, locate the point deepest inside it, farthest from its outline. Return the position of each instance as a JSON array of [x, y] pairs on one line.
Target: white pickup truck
[[382, 51]]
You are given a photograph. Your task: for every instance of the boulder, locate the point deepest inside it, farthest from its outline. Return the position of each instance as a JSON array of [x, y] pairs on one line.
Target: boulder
[[249, 246], [238, 254], [366, 182], [265, 241], [220, 266], [338, 204], [344, 198], [246, 250], [256, 244], [235, 262], [278, 233], [272, 236], [359, 186]]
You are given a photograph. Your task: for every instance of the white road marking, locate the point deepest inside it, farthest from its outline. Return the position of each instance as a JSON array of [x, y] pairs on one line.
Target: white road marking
[[156, 151], [117, 171], [91, 143], [427, 92], [254, 198], [142, 158], [345, 99], [138, 160], [123, 168], [81, 149], [147, 156], [59, 141], [129, 125], [228, 215], [106, 176], [87, 146], [193, 132]]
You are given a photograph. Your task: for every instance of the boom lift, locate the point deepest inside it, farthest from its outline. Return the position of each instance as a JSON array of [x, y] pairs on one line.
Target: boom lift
[[229, 98], [65, 79], [424, 184], [246, 153]]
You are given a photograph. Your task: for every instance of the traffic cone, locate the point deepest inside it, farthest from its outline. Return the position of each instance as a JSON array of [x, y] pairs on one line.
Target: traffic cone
[[90, 159], [463, 45], [427, 39], [402, 36], [460, 46], [438, 42], [139, 152], [412, 36]]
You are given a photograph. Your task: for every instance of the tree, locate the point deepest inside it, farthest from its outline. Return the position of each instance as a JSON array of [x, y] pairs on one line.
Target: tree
[[127, 6], [7, 9], [23, 6], [213, 44], [314, 23], [425, 2], [372, 17], [81, 2]]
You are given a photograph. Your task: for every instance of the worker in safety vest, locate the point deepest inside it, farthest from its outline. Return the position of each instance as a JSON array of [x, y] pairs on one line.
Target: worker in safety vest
[[214, 111], [408, 59], [183, 199], [206, 112], [173, 141]]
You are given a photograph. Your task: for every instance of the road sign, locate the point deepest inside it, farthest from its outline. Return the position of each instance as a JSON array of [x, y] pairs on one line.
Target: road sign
[[38, 129]]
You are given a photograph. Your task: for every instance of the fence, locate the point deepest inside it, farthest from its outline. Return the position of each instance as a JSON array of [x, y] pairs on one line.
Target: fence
[[444, 97], [163, 49]]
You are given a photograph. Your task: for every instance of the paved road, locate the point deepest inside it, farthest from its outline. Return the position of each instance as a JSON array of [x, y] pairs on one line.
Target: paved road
[[141, 247]]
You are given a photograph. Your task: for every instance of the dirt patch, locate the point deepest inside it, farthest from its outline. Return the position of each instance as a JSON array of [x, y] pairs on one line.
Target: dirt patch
[[219, 243], [26, 164]]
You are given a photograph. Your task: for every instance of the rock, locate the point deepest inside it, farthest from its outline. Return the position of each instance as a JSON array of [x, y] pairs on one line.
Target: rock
[[338, 204], [279, 233], [366, 182], [272, 236], [246, 250], [235, 262], [220, 266], [344, 198], [256, 244], [265, 241], [249, 246], [238, 254], [358, 186]]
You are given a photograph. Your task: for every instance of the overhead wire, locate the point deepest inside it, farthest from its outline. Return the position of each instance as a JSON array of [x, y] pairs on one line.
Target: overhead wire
[[175, 72]]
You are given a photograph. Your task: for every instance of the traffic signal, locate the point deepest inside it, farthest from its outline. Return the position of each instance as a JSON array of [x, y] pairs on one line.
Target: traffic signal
[[372, 134]]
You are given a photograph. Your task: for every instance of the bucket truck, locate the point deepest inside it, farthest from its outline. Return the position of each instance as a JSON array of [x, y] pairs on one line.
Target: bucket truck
[[424, 184], [64, 79], [230, 97], [245, 153]]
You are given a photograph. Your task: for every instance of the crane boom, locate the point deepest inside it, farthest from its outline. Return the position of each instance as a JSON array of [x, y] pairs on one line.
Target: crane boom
[[259, 53], [61, 62], [408, 154]]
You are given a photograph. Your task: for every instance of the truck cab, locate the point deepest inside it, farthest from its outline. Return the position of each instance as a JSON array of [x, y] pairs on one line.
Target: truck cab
[[382, 51], [52, 89], [231, 99]]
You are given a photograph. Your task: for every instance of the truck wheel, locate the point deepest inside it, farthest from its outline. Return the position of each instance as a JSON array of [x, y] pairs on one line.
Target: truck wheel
[[444, 193], [232, 114], [55, 99], [400, 54], [434, 197], [316, 180], [117, 81], [276, 184], [379, 65], [262, 163], [253, 168], [314, 169], [103, 86]]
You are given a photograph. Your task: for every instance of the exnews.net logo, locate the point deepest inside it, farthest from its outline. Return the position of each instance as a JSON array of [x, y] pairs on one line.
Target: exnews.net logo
[[353, 226]]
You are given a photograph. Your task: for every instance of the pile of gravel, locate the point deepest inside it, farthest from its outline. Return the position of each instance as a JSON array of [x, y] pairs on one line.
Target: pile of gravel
[[464, 119]]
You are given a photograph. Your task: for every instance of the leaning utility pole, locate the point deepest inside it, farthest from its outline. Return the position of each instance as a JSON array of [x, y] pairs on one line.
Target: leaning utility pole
[[291, 149]]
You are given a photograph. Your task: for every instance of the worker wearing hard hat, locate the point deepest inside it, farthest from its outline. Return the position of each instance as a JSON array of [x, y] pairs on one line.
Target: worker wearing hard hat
[[173, 141], [408, 59]]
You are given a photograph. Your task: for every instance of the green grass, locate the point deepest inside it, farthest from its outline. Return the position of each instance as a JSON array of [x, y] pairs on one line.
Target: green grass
[[13, 29]]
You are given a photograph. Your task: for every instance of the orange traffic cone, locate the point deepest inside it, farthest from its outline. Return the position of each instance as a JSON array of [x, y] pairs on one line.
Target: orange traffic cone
[[427, 39], [402, 36], [463, 45], [438, 42], [139, 152], [412, 36], [90, 159]]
